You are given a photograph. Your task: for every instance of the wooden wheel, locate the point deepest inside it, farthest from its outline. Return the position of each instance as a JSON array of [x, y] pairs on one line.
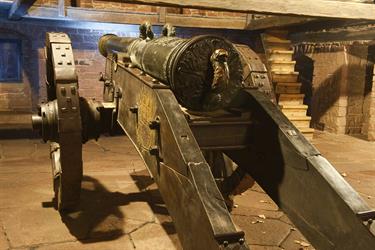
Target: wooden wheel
[[66, 145]]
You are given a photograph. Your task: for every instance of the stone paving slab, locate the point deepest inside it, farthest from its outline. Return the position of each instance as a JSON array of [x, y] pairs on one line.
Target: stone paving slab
[[122, 243], [121, 207], [33, 225], [268, 232], [25, 189], [295, 240], [4, 244], [156, 238]]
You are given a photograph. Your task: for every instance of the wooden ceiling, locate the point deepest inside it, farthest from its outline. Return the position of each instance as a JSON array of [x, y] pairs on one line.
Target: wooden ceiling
[[286, 12]]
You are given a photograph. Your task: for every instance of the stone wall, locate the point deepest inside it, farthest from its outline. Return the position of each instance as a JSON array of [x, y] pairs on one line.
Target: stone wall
[[338, 98], [368, 125], [356, 74], [328, 100]]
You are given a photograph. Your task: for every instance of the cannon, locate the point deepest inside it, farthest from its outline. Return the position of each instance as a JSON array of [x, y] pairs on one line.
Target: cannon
[[179, 101]]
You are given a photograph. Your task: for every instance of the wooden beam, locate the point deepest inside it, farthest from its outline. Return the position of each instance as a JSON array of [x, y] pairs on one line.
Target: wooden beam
[[276, 22], [283, 21], [126, 17], [206, 22], [316, 8], [363, 33], [19, 8], [76, 3], [107, 16]]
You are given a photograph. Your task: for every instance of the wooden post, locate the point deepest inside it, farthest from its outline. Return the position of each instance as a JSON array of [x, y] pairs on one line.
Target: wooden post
[[162, 14], [249, 18], [76, 3], [61, 8]]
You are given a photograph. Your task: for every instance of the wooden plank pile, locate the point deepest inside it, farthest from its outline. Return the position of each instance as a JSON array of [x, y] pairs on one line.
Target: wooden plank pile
[[279, 55]]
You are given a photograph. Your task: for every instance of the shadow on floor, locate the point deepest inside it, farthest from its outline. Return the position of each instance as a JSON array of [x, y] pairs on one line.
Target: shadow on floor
[[98, 217], [146, 183], [7, 134]]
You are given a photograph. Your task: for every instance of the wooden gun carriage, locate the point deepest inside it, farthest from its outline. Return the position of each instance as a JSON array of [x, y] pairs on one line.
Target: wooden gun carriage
[[178, 100]]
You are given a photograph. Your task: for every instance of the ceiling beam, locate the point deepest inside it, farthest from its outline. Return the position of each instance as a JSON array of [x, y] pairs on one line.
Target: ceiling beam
[[365, 32], [284, 21], [316, 8], [277, 22], [126, 17], [19, 8]]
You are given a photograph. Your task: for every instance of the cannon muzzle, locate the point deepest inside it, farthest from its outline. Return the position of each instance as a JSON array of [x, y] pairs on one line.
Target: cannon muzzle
[[110, 43]]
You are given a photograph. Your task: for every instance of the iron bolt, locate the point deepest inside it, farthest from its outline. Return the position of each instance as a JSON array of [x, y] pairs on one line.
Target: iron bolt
[[107, 83], [154, 150], [133, 109], [155, 124], [118, 93], [101, 77], [225, 243], [73, 90], [241, 241], [63, 91]]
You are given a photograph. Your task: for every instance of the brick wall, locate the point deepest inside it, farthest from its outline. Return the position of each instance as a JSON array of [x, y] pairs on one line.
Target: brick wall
[[31, 90], [25, 96], [338, 98]]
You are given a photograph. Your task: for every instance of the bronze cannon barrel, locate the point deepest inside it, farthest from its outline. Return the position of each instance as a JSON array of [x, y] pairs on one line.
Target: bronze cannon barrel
[[203, 72], [112, 43]]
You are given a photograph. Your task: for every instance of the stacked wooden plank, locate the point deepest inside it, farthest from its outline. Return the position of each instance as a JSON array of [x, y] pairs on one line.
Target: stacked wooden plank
[[279, 55]]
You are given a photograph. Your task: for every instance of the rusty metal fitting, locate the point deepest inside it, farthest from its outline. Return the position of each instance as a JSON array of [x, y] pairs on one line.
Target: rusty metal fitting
[[45, 122], [154, 150], [155, 124]]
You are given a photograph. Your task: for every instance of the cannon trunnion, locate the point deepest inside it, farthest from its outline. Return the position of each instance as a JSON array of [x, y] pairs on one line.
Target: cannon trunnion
[[179, 100]]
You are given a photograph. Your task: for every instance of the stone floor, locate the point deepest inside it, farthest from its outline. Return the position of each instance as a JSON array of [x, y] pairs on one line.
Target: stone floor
[[121, 207]]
